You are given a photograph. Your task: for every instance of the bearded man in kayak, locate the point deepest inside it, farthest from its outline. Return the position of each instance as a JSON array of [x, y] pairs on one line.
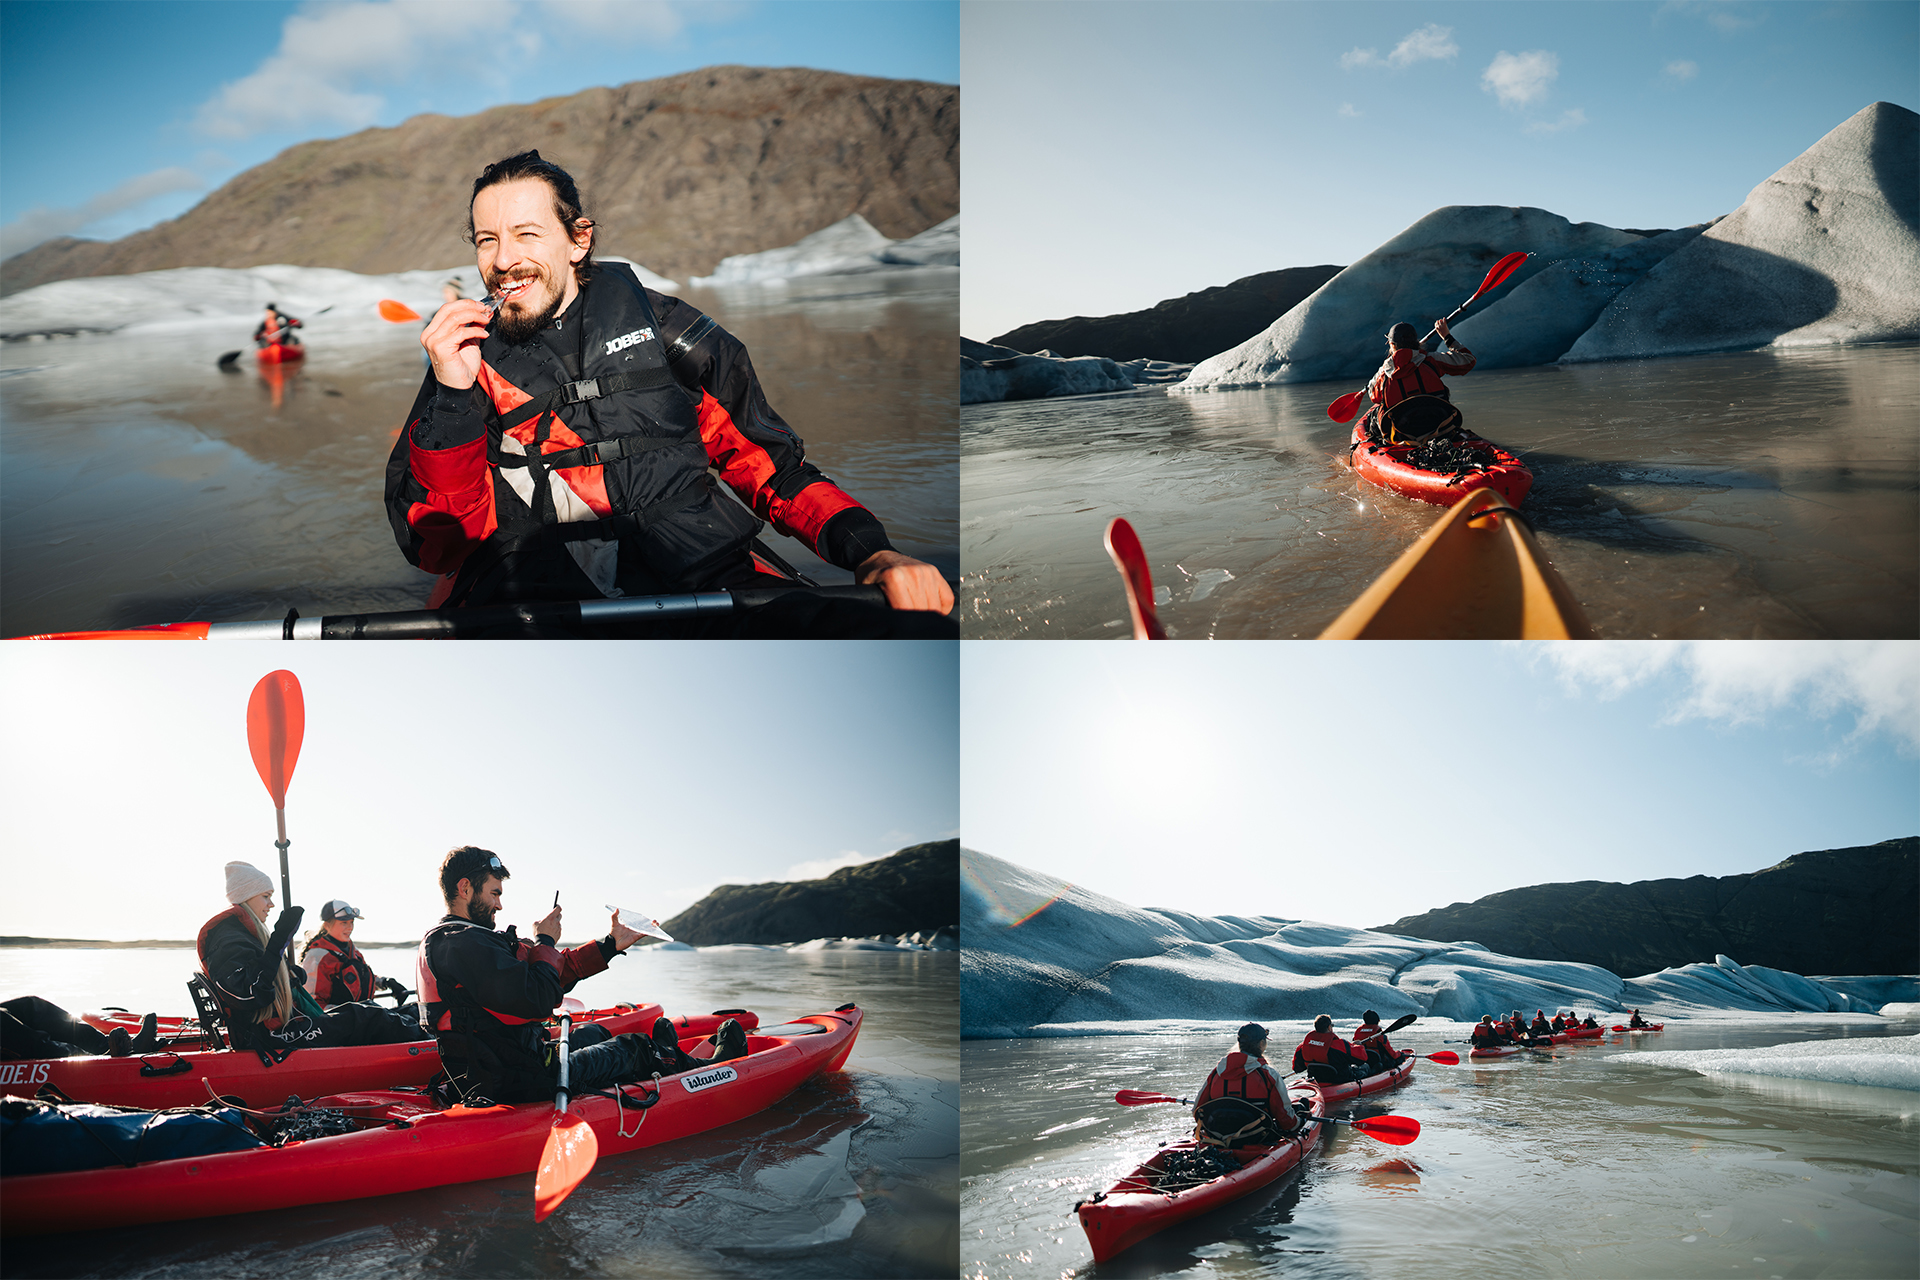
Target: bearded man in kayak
[[1245, 1075], [262, 991], [485, 996], [559, 447], [1327, 1058], [1411, 376], [336, 971]]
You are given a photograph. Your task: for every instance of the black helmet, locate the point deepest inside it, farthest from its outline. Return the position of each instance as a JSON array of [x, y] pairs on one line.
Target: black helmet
[[1403, 335]]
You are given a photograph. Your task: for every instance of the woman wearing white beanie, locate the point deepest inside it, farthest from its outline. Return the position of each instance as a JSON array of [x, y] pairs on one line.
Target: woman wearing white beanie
[[260, 988]]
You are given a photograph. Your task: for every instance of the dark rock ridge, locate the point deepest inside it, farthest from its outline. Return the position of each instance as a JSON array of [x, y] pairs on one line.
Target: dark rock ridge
[[914, 890], [678, 172], [1182, 330], [1839, 911]]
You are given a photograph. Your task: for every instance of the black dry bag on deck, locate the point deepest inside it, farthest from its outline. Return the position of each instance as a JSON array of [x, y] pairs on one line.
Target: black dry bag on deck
[[46, 1137]]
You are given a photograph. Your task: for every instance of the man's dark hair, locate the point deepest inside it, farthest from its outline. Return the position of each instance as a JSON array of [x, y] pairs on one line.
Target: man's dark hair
[[1251, 1037], [469, 863], [566, 197]]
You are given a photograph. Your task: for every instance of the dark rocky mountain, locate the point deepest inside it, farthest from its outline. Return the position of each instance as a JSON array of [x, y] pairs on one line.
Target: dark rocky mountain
[[914, 890], [1834, 911], [678, 173], [1180, 330]]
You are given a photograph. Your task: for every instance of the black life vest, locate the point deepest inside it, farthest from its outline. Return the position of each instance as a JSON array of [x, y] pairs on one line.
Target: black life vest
[[344, 973], [598, 456]]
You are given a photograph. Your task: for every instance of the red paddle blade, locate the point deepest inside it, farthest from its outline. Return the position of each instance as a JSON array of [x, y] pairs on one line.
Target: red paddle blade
[[1398, 1130], [276, 721], [1137, 1098], [1501, 270], [568, 1159], [1123, 544], [1446, 1058], [1343, 409], [398, 312]]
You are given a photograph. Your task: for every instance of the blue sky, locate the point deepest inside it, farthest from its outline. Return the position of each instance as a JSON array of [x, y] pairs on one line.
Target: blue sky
[[1114, 155], [115, 115], [1360, 783], [642, 775]]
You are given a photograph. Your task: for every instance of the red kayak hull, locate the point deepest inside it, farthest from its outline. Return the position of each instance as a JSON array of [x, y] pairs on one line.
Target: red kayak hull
[[1386, 466], [280, 353], [417, 1146], [156, 1080], [1586, 1033], [1131, 1210]]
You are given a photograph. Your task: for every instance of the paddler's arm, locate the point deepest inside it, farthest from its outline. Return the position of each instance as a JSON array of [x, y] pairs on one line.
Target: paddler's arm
[[1456, 359], [439, 492]]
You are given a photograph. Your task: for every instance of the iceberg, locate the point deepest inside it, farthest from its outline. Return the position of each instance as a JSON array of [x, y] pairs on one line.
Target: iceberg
[[1892, 1062], [1042, 957], [851, 246]]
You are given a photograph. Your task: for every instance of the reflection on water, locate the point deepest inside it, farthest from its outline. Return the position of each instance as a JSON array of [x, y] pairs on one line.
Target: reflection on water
[[874, 1148], [1758, 495], [1558, 1165], [139, 484]]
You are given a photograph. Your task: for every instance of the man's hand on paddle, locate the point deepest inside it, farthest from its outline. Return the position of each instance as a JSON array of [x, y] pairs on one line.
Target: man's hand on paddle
[[909, 583], [452, 340]]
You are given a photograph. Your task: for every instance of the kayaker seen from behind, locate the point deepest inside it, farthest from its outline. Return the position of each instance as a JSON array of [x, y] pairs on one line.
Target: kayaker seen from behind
[[1486, 1035], [559, 447], [1541, 1029], [1410, 400], [1244, 1077], [1327, 1058], [276, 329], [485, 996], [337, 973], [261, 989], [1371, 1039], [1636, 1020]]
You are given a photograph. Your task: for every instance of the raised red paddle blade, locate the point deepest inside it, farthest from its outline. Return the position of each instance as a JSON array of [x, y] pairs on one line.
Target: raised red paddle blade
[[1137, 1098], [1343, 409], [276, 721], [1446, 1058], [569, 1157], [1123, 544], [1501, 270], [1399, 1130], [398, 312]]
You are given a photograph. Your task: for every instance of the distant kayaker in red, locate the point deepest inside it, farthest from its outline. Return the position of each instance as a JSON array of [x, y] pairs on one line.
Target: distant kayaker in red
[[1327, 1058], [1372, 1040], [337, 973], [1407, 390], [1636, 1020], [1245, 1075], [276, 328], [560, 445], [1540, 1028], [1486, 1035], [262, 991], [485, 996]]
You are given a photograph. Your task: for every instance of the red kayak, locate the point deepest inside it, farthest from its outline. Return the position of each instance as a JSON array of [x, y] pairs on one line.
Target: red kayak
[[1134, 1208], [1585, 1033], [1387, 466], [1647, 1030], [280, 353], [181, 1077], [404, 1143], [1498, 1051]]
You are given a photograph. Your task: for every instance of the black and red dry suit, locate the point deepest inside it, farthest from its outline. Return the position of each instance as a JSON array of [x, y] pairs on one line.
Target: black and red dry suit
[[576, 467]]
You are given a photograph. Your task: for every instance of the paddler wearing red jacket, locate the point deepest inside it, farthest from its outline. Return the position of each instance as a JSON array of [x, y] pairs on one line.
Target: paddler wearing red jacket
[[337, 973], [559, 447], [1244, 1074], [263, 992], [276, 328], [485, 996], [1486, 1035], [1371, 1039], [1327, 1058], [1411, 372]]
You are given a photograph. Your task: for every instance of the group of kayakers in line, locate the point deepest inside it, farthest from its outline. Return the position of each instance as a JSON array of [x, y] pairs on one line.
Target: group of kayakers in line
[[1245, 1077], [1515, 1029], [482, 994]]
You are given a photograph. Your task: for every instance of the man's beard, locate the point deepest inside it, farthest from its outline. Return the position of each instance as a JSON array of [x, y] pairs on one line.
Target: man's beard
[[515, 326], [480, 913]]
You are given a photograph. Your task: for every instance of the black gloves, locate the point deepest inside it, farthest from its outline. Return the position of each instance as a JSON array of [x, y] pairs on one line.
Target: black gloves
[[283, 931]]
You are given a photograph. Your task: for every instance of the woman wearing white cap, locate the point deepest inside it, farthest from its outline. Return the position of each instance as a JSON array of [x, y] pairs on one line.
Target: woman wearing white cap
[[337, 973], [263, 992]]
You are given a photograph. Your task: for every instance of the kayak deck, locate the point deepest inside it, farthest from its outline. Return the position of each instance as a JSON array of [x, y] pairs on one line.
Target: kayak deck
[[1386, 465], [1135, 1208], [404, 1143]]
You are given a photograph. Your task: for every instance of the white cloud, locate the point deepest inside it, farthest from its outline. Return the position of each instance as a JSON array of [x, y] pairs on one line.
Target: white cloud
[[335, 60], [820, 868], [1520, 78], [1568, 120], [1724, 16], [1430, 43], [1682, 70], [41, 223], [1737, 682], [1348, 110]]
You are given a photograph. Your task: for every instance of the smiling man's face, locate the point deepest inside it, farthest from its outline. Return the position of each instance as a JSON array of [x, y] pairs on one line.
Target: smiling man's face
[[526, 257]]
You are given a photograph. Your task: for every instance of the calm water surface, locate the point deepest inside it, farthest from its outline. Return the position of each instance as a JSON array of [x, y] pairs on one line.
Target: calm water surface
[[1565, 1167], [711, 1205], [1760, 495], [138, 484]]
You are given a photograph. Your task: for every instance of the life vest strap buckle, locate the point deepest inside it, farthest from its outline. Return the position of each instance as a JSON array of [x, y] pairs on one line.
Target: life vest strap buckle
[[575, 392]]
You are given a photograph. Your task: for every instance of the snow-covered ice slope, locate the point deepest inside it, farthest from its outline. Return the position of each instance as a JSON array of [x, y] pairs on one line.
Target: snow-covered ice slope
[[1043, 957], [851, 246], [1892, 1062]]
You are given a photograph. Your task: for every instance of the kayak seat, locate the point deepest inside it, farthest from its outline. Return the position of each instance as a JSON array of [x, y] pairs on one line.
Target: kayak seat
[[212, 1021], [1420, 418], [1234, 1122]]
